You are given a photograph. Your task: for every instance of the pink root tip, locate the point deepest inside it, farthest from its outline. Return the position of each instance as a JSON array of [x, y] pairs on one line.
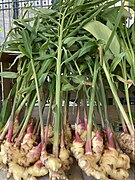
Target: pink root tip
[[10, 131]]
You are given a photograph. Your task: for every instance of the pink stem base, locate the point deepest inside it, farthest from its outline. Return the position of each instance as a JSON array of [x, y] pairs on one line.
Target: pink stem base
[[110, 139], [88, 149], [77, 137], [10, 131]]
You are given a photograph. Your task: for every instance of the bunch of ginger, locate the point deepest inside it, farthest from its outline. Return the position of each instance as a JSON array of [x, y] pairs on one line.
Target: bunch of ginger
[[28, 159], [22, 160], [58, 166], [98, 160]]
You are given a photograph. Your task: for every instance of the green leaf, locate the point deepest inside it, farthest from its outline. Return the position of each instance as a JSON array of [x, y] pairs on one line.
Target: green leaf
[[78, 2], [45, 57], [23, 50], [132, 4], [121, 79], [4, 111], [42, 78], [15, 41], [116, 61], [117, 22], [43, 48], [16, 59], [88, 47], [68, 87], [78, 79], [84, 50], [35, 29], [71, 40], [47, 35], [110, 14], [36, 24], [27, 90], [8, 75], [72, 57], [133, 33], [45, 67], [132, 72], [102, 32], [65, 56], [22, 24], [45, 11], [27, 43]]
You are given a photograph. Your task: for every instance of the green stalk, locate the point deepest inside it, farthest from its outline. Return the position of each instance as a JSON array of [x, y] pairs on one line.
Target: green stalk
[[58, 88], [85, 105], [130, 55], [118, 19], [25, 121], [108, 128], [21, 105], [9, 125], [78, 110], [100, 109], [48, 121], [114, 92], [49, 111], [39, 102], [130, 46], [66, 106], [10, 120], [124, 73], [104, 102], [36, 126], [91, 109], [92, 97], [5, 113], [28, 110]]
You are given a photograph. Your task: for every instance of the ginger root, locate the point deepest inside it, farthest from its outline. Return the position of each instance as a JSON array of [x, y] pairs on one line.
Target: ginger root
[[111, 165], [127, 144], [28, 142], [2, 165], [123, 161], [53, 163], [50, 161], [65, 158], [37, 170], [32, 156], [18, 172], [77, 149], [5, 147], [88, 164]]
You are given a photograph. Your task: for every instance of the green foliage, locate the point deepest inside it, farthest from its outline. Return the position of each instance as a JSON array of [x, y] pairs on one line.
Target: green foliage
[[68, 45], [8, 75], [102, 32]]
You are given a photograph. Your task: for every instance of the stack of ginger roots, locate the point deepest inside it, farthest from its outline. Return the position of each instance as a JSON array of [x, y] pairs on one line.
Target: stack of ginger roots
[[103, 161], [29, 159]]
